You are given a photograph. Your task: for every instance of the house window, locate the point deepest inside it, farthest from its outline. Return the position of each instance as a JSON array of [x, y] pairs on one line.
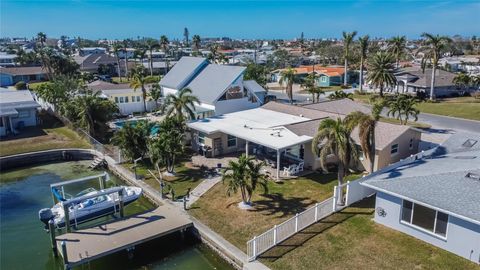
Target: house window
[[424, 218], [324, 79], [201, 138], [231, 141], [411, 144], [394, 149], [23, 114], [126, 99], [121, 99], [1, 121], [133, 98], [116, 99], [138, 98]]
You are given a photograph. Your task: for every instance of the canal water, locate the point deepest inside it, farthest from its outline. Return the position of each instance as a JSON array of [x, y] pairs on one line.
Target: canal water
[[25, 245]]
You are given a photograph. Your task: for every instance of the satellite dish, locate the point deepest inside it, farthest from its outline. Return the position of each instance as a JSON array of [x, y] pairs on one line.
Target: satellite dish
[[381, 212]]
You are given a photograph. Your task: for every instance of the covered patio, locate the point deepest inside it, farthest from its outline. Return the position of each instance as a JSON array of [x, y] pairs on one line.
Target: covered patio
[[256, 132]]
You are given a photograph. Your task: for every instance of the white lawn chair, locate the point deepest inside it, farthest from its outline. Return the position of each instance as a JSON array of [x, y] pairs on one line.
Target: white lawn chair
[[300, 167], [290, 170]]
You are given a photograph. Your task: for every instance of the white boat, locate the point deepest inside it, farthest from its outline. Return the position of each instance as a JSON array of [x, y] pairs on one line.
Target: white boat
[[86, 206]]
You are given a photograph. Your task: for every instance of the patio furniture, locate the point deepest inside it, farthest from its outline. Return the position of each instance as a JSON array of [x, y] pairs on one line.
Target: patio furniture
[[290, 170], [300, 167]]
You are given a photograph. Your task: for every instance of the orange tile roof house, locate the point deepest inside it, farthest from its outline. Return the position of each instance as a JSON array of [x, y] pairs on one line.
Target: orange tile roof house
[[327, 76]]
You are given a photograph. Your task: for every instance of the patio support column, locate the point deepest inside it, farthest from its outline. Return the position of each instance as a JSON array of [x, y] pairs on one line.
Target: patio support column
[[278, 164], [11, 125], [246, 148]]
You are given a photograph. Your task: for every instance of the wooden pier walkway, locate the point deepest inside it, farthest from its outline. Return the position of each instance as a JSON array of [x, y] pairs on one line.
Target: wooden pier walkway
[[93, 243]]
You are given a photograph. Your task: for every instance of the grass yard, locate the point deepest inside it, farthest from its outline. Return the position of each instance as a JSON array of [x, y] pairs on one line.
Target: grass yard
[[352, 240], [409, 123], [52, 134], [325, 89], [283, 200], [461, 107], [186, 176]]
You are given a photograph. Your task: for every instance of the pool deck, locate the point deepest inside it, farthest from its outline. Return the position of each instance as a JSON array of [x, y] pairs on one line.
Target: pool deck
[[89, 244]]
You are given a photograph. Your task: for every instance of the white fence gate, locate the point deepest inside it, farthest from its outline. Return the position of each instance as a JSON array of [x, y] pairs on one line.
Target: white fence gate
[[281, 232]]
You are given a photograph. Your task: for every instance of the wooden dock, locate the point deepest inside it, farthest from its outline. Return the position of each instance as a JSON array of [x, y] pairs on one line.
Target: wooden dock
[[89, 244]]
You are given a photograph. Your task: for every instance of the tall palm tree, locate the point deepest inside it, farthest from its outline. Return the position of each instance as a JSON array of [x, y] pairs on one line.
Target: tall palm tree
[[363, 41], [151, 44], [403, 107], [164, 42], [155, 93], [366, 124], [333, 138], [117, 47], [244, 175], [196, 41], [138, 76], [181, 105], [397, 46], [287, 77], [42, 38], [347, 41], [309, 85], [381, 71], [213, 53], [125, 53], [434, 46]]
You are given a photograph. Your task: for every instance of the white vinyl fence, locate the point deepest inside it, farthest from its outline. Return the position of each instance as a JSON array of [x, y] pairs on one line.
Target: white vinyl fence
[[281, 232]]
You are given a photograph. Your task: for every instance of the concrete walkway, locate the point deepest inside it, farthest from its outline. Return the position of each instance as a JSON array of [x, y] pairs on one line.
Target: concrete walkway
[[202, 188]]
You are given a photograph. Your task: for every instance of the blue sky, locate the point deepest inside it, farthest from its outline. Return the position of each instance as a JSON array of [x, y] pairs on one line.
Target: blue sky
[[238, 19]]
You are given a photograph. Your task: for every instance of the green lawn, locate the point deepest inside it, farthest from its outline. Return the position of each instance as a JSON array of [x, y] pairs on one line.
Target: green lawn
[[410, 123], [283, 200], [350, 239], [467, 108], [186, 176], [50, 135]]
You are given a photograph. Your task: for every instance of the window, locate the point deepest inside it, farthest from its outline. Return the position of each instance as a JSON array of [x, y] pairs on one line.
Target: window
[[23, 113], [231, 141], [126, 99], [424, 218], [201, 138], [116, 99], [394, 149], [133, 98], [138, 98], [1, 121], [411, 144], [121, 99], [324, 79]]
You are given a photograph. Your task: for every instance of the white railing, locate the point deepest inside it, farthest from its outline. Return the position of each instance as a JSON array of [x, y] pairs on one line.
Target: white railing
[[265, 241]]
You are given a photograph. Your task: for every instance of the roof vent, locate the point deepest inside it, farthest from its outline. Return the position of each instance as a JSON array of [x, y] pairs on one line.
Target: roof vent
[[473, 176], [469, 143]]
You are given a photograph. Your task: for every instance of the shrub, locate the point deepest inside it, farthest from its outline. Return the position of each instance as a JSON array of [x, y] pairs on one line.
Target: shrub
[[21, 85], [476, 94]]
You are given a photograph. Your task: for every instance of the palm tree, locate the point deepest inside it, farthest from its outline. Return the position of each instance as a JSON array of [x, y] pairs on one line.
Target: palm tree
[[151, 44], [462, 80], [366, 124], [340, 94], [155, 93], [363, 41], [213, 53], [347, 41], [196, 41], [434, 46], [309, 85], [397, 46], [287, 77], [244, 175], [133, 139], [116, 50], [138, 76], [42, 38], [124, 49], [381, 71], [403, 107], [333, 138], [180, 105], [92, 112], [164, 44], [140, 53]]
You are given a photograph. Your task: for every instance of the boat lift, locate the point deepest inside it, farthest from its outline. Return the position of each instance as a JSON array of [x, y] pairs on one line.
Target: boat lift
[[55, 187]]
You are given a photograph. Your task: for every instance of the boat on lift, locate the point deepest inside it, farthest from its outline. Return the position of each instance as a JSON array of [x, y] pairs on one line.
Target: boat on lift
[[88, 204]]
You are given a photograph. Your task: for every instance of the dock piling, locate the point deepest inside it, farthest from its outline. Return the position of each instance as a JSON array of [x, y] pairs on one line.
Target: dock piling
[[67, 217], [51, 228], [64, 255], [120, 193]]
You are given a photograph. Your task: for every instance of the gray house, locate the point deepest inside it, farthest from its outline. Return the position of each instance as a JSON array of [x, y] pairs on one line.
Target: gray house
[[413, 80], [18, 109], [435, 198]]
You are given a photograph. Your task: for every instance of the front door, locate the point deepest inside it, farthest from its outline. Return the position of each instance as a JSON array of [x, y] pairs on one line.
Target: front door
[[217, 146]]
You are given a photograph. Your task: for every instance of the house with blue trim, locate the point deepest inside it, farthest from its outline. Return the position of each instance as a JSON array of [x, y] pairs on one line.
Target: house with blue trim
[[220, 88], [326, 76], [434, 196]]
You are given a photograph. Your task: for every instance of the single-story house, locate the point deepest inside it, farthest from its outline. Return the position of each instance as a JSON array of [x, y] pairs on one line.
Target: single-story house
[[7, 60], [327, 76], [12, 75], [286, 131], [413, 80], [92, 50], [92, 62], [435, 197], [220, 88], [18, 109], [128, 100]]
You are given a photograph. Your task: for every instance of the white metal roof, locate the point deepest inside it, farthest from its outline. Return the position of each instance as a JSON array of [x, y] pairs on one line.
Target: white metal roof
[[258, 125]]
